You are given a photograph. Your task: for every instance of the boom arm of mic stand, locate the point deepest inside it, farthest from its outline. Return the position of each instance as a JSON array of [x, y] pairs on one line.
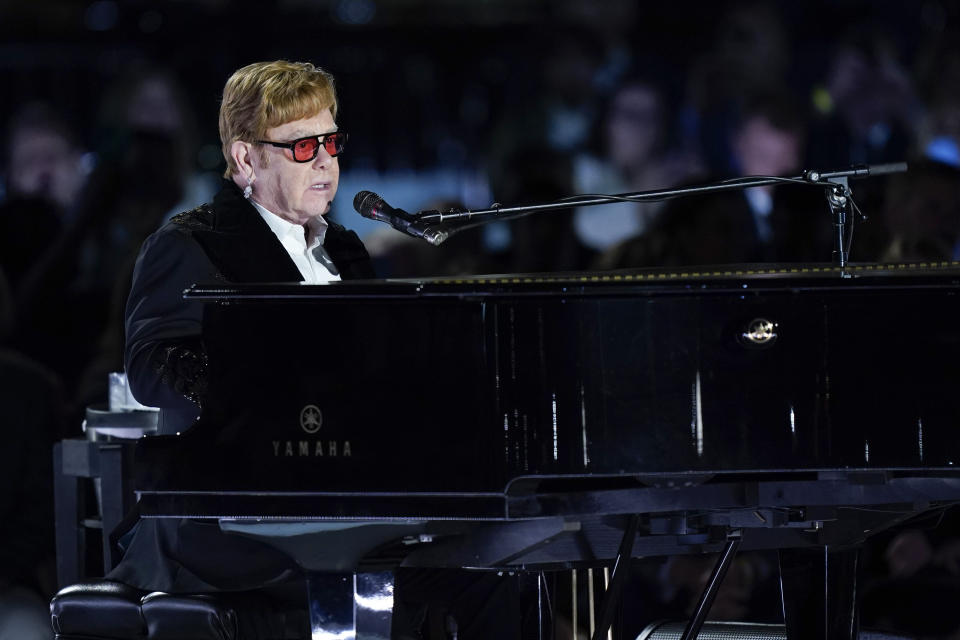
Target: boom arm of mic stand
[[834, 181], [499, 212]]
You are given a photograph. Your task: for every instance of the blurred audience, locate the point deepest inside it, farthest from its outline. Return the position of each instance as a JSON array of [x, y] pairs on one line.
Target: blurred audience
[[938, 137], [669, 589], [69, 301], [922, 213], [32, 420], [911, 579], [783, 223]]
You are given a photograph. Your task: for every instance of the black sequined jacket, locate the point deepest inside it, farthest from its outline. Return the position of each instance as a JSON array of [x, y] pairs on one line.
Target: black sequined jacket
[[225, 240]]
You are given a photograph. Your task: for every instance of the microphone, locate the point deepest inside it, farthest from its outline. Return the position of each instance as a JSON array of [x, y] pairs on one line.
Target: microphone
[[889, 167], [856, 171], [370, 205]]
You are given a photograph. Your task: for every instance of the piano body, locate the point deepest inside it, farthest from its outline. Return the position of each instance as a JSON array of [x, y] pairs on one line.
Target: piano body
[[544, 422]]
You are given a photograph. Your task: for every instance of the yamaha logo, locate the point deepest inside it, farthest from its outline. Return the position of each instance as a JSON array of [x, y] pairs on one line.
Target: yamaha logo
[[311, 419]]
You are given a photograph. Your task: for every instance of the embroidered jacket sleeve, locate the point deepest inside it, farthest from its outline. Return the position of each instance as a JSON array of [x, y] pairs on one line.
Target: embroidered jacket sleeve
[[164, 358]]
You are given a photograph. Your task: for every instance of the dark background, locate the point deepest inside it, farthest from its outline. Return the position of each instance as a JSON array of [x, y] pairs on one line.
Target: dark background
[[448, 103], [422, 82]]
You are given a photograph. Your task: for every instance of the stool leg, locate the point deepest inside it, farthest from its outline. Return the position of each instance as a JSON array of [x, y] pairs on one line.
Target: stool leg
[[68, 511], [115, 498]]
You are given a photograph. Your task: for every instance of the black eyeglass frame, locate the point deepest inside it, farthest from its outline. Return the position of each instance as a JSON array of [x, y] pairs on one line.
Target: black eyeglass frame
[[321, 137]]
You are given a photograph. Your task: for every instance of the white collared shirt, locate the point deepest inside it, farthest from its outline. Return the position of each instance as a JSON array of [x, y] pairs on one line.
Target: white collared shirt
[[309, 259]]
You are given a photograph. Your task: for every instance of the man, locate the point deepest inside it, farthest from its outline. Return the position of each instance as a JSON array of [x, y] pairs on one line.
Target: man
[[281, 142]]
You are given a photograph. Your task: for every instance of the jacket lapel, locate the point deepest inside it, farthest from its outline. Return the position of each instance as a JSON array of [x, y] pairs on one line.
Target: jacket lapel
[[242, 244], [348, 253], [246, 250]]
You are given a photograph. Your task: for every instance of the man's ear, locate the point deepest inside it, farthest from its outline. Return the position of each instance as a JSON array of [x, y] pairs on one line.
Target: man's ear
[[242, 154]]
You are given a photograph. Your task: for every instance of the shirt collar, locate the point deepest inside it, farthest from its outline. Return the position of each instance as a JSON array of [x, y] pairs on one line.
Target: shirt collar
[[317, 226]]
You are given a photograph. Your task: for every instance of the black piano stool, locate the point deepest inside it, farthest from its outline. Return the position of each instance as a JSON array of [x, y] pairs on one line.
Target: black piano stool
[[104, 610]]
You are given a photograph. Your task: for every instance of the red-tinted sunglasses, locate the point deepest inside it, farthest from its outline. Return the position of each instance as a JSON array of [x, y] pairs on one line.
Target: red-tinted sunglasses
[[306, 149]]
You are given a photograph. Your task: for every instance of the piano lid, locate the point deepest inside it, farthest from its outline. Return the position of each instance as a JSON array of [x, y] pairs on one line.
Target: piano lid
[[717, 278]]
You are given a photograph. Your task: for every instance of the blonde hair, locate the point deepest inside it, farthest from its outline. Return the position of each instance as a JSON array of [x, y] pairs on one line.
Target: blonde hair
[[264, 95]]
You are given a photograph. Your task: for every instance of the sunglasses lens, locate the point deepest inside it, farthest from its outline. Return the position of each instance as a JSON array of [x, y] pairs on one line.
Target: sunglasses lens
[[305, 149], [333, 143]]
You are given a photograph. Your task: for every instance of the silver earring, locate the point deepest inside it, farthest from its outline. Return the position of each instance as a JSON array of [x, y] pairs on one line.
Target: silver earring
[[247, 191]]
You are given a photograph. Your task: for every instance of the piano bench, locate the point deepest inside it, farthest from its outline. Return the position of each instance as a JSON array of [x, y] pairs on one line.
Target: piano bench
[[98, 609], [103, 610]]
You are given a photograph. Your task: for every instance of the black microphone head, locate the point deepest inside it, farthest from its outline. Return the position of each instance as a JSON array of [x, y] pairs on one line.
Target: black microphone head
[[366, 201]]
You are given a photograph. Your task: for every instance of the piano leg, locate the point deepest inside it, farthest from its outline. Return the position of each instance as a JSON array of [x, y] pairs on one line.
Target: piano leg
[[347, 605], [819, 588], [621, 567], [709, 594]]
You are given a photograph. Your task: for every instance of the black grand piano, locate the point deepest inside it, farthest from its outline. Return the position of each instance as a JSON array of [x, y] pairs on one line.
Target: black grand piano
[[537, 423]]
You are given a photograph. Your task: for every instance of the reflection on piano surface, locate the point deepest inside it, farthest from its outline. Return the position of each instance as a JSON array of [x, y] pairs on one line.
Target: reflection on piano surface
[[542, 422]]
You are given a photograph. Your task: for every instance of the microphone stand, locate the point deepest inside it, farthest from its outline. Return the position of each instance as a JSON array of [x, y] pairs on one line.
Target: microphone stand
[[838, 199], [834, 182]]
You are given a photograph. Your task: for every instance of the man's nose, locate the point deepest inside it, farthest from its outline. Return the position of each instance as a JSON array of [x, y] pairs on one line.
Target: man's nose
[[323, 158]]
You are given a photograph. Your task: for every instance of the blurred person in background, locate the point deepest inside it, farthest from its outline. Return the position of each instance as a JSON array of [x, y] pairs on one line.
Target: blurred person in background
[[865, 112], [150, 99], [147, 171], [43, 158], [539, 242], [531, 151], [44, 172], [750, 57], [560, 111], [635, 155], [866, 108]]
